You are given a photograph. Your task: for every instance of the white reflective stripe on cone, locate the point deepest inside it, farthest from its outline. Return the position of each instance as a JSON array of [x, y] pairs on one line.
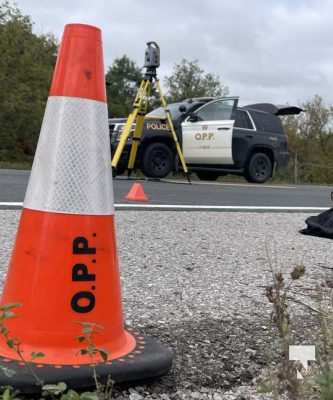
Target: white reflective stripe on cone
[[72, 170]]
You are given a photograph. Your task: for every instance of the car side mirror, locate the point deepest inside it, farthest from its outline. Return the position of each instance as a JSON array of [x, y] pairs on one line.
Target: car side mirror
[[193, 118], [182, 108]]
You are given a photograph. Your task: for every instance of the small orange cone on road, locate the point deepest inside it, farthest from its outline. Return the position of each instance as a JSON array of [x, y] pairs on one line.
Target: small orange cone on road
[[64, 267], [137, 193]]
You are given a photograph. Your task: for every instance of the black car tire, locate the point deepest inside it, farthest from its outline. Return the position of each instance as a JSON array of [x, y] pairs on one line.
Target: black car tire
[[119, 170], [208, 175], [157, 160], [259, 168]]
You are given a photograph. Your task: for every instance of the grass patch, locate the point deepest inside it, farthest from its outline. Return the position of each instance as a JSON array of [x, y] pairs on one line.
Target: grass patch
[[25, 165]]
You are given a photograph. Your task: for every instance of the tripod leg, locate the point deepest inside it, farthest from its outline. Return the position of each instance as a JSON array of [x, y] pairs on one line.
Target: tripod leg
[[135, 142], [139, 126], [123, 137], [173, 132], [129, 123]]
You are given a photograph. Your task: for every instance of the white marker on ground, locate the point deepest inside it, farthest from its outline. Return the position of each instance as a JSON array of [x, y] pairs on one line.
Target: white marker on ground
[[304, 354]]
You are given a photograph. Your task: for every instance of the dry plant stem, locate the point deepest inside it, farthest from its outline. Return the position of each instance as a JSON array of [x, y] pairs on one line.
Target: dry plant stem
[[88, 329], [93, 363], [27, 364], [325, 333], [302, 303], [277, 296], [97, 384], [325, 267]]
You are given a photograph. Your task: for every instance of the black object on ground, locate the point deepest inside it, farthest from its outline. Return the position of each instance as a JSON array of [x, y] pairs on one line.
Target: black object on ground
[[320, 225]]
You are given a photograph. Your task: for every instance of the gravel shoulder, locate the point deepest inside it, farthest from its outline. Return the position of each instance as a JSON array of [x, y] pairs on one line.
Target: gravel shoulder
[[196, 281]]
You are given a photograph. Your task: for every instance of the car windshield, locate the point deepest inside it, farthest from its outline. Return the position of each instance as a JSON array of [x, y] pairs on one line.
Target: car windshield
[[174, 110]]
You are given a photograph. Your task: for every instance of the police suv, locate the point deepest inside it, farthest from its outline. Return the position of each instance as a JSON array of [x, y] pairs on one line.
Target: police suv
[[217, 138]]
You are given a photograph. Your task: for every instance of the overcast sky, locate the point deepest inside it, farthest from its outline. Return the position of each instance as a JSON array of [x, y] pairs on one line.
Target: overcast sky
[[264, 50]]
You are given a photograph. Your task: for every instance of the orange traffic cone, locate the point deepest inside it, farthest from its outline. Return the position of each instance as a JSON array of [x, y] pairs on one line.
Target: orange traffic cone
[[137, 193], [64, 268]]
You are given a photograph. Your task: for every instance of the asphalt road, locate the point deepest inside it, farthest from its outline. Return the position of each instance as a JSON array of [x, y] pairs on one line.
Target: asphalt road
[[196, 282], [13, 185]]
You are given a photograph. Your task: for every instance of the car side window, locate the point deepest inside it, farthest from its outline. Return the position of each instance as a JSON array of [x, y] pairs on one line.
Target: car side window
[[242, 120], [267, 122], [216, 111]]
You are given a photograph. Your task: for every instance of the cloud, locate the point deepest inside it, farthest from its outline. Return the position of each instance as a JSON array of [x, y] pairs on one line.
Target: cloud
[[264, 50]]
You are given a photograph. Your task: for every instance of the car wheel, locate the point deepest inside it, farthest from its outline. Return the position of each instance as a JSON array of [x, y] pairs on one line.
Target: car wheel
[[259, 168], [119, 170], [208, 175], [157, 160]]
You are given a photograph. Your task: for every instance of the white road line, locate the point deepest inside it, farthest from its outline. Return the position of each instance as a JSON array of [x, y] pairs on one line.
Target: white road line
[[184, 207], [10, 204], [230, 184]]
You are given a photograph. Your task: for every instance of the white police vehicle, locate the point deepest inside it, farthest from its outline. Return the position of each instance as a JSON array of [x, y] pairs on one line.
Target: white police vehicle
[[217, 138]]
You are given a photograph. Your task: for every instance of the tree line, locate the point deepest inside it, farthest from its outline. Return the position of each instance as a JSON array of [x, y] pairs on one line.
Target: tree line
[[310, 143], [26, 64]]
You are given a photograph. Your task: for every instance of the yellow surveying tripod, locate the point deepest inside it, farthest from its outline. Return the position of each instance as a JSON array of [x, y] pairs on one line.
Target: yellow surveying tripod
[[140, 108]]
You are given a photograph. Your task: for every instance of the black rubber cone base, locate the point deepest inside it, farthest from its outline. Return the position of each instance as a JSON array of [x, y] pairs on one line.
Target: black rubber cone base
[[149, 359]]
